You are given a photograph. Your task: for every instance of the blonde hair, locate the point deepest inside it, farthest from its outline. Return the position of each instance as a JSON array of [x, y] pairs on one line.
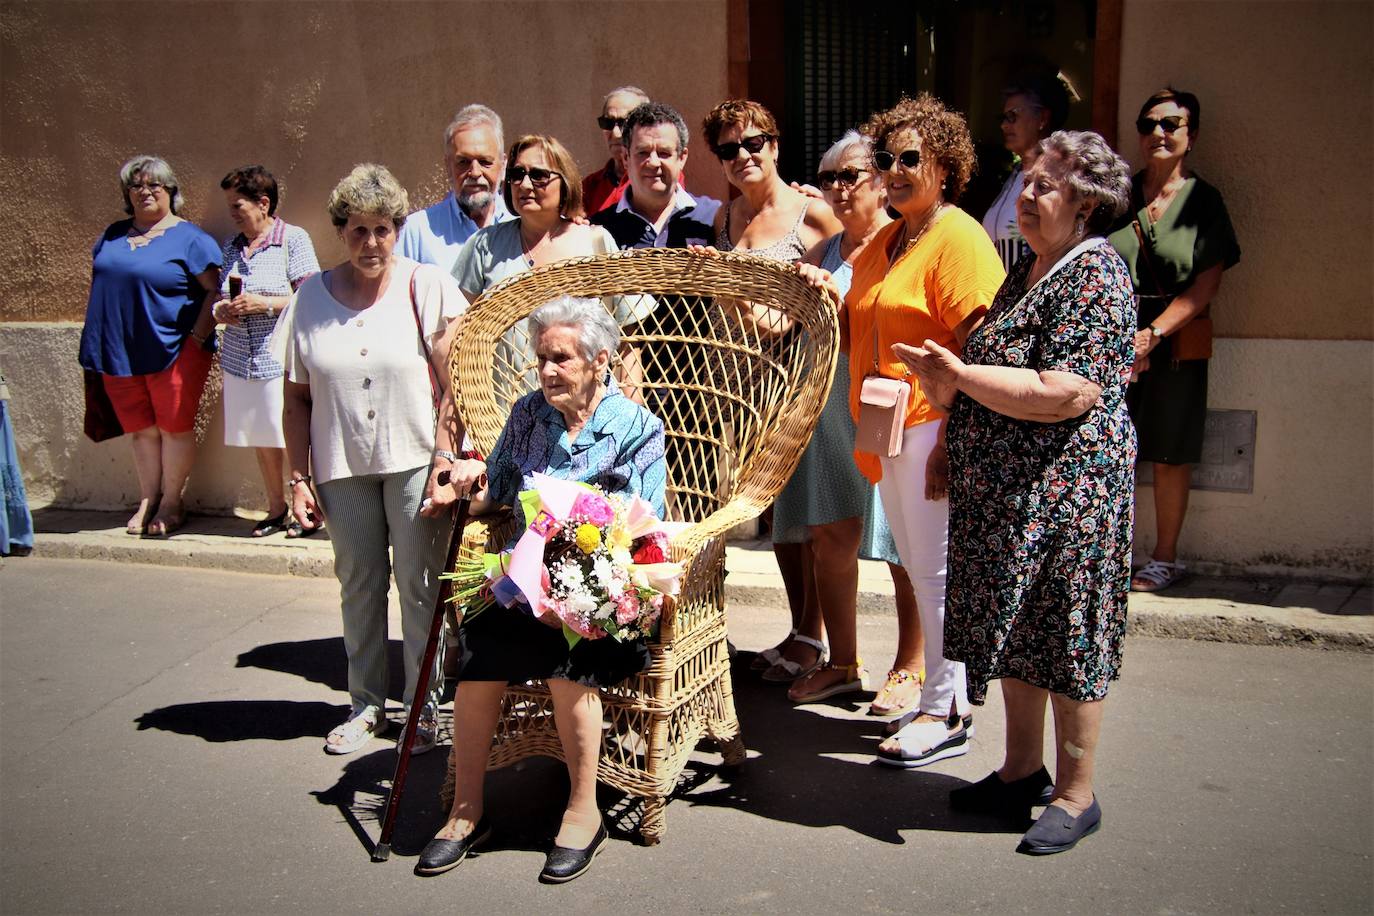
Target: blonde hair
[[369, 189]]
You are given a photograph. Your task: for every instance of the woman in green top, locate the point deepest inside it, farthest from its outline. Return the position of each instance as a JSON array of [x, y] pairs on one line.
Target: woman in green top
[[1177, 239]]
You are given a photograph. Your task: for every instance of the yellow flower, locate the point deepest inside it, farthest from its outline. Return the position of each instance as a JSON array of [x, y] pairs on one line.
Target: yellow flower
[[588, 538]]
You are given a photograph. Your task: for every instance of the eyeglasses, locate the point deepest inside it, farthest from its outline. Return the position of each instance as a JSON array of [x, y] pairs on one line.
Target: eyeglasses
[[608, 123], [1146, 126], [908, 158], [1009, 116], [752, 145], [152, 187], [465, 163], [540, 178], [845, 178]]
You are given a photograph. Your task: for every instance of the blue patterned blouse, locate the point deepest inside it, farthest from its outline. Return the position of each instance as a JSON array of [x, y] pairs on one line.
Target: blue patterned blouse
[[620, 449]]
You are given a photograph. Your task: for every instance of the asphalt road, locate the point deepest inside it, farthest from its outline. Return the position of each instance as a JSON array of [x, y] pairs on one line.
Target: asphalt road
[[160, 735]]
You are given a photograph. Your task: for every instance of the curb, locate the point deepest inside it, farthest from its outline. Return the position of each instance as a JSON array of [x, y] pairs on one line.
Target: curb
[[1224, 620]]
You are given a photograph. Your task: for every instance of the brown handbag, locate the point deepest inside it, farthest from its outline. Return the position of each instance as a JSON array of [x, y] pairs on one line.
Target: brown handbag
[[101, 421], [1194, 339]]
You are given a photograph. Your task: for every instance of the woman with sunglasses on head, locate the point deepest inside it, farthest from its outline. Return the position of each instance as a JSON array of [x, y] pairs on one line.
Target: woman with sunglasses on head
[[771, 220], [828, 508], [1033, 107], [1176, 239], [150, 334], [929, 275]]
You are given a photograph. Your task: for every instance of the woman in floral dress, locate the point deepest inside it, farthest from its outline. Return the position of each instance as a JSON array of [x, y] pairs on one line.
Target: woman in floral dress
[[1042, 452]]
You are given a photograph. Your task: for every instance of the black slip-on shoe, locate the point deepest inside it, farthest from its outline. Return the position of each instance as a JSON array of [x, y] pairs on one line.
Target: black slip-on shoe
[[991, 795], [564, 864], [441, 855], [1059, 831]]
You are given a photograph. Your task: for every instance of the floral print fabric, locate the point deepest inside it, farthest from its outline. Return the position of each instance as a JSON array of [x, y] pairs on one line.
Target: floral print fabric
[[1041, 513]]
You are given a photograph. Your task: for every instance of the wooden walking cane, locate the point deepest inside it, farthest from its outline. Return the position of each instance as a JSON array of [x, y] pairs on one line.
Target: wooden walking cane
[[382, 851]]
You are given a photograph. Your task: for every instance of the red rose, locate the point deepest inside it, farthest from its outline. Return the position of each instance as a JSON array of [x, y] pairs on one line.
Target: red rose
[[649, 553]]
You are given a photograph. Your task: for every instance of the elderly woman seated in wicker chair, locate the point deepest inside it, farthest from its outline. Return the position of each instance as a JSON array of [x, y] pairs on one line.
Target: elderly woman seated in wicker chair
[[578, 426]]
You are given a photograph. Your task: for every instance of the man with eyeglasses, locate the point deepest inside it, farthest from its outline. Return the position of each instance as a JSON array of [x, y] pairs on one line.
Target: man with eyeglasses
[[474, 158], [604, 187], [655, 211]]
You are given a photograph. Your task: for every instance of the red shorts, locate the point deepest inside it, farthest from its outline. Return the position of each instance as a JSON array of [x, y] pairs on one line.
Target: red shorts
[[167, 399]]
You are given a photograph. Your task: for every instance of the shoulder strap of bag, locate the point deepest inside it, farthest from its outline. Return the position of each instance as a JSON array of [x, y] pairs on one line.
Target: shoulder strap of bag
[[424, 344], [1146, 250]]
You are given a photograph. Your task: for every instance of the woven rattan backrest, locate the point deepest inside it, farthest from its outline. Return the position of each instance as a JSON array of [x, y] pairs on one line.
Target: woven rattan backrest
[[738, 399]]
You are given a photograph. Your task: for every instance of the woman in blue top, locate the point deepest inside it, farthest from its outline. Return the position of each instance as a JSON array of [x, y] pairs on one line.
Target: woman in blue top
[[149, 333], [578, 426]]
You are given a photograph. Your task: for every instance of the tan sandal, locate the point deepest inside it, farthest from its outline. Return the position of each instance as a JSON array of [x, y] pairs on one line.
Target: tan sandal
[[899, 693], [853, 679]]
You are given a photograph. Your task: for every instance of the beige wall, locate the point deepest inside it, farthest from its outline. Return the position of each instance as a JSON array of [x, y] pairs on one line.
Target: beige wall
[[308, 89], [1287, 92]]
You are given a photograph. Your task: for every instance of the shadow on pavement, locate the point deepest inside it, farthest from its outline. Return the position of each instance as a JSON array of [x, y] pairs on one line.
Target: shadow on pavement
[[799, 771], [246, 720], [320, 661]]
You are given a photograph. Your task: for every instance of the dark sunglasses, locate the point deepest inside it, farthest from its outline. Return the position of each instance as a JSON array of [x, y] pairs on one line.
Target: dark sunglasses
[[1170, 124], [540, 178], [908, 158], [753, 145], [608, 123], [845, 178]]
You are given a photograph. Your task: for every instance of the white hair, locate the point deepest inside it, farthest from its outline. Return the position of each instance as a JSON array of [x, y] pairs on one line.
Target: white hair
[[624, 90], [1095, 172], [852, 140], [149, 168], [596, 329], [475, 116]]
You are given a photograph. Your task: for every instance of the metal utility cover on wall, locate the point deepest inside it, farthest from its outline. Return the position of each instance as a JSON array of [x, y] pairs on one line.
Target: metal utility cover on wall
[[1228, 454]]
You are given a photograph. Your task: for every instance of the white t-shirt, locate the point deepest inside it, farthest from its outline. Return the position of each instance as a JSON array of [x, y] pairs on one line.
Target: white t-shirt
[[372, 409], [1000, 221]]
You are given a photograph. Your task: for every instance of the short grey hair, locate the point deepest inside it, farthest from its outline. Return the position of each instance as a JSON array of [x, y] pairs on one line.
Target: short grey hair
[[851, 141], [371, 190], [596, 329], [624, 90], [149, 168], [475, 116], [1095, 172]]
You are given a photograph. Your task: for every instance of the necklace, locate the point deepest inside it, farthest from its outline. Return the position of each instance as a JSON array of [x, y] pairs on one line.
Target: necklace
[[902, 248], [527, 250], [1160, 203]]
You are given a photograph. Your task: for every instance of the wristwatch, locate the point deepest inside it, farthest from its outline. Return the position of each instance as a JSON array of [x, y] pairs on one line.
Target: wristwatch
[[1154, 329], [292, 483]]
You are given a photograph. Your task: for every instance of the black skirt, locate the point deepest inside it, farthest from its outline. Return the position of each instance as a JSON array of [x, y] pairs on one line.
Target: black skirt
[[508, 644], [1168, 406]]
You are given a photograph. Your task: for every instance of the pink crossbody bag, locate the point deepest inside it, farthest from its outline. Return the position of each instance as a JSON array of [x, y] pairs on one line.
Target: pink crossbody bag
[[883, 404]]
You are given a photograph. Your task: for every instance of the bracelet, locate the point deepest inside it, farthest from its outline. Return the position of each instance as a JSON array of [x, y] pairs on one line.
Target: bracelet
[[446, 455], [304, 478]]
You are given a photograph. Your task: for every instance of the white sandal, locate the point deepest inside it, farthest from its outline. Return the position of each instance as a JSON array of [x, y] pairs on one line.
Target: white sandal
[[922, 743], [1156, 575], [785, 671], [772, 655], [356, 732]]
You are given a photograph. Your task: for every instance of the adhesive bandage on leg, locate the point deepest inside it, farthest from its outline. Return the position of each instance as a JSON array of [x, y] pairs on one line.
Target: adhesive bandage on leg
[[1074, 750]]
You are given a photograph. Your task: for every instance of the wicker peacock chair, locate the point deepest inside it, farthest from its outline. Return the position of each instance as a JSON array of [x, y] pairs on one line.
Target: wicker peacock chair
[[739, 400]]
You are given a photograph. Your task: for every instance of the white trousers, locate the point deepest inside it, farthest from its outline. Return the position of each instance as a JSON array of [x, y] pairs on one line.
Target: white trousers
[[921, 529]]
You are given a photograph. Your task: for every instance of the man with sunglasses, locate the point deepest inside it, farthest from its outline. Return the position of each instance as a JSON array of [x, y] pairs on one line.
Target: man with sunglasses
[[655, 211], [474, 158], [604, 187]]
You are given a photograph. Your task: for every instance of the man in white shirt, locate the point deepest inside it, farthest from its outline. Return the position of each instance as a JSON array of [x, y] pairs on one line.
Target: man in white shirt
[[474, 158]]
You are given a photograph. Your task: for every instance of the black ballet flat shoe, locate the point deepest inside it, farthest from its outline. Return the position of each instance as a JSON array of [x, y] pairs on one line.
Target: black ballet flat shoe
[[440, 855], [1014, 799], [564, 864], [1059, 831]]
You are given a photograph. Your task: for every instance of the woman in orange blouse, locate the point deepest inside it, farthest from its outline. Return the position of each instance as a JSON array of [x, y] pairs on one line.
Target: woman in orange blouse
[[930, 274]]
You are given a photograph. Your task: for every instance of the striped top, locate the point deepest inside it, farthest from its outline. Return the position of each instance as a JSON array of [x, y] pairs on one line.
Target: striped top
[[277, 268]]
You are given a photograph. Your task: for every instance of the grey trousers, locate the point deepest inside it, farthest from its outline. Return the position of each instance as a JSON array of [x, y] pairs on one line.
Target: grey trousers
[[365, 515]]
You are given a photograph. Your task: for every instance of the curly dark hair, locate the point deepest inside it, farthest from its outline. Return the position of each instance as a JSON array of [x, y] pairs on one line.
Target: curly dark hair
[[944, 135]]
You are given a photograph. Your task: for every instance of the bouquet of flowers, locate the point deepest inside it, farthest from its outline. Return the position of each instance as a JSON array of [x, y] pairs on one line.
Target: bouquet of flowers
[[594, 564]]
